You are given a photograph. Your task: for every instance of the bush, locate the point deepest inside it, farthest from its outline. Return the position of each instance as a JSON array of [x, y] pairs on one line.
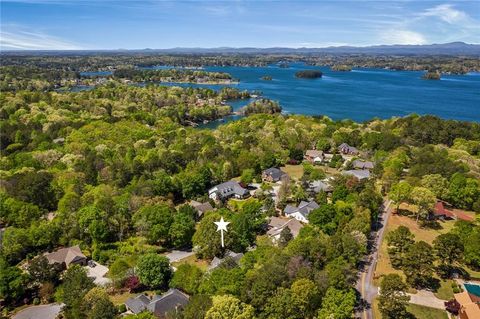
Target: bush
[[122, 308], [36, 301]]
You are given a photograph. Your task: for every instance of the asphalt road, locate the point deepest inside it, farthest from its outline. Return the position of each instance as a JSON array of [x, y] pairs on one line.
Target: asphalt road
[[365, 285]]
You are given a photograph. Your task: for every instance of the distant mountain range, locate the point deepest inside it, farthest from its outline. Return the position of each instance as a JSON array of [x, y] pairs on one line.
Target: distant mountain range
[[453, 48]]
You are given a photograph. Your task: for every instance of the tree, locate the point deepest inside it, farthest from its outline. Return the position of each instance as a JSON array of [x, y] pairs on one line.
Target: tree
[[424, 199], [187, 278], [119, 270], [154, 222], [40, 270], [324, 218], [400, 193], [436, 183], [247, 176], [338, 304], [399, 241], [206, 239], [229, 307], [393, 299], [197, 307], [182, 230], [75, 286], [448, 248], [418, 264], [285, 237], [97, 305], [12, 282], [154, 270]]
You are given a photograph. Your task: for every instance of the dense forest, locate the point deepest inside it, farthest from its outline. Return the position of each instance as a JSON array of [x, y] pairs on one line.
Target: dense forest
[[114, 170]]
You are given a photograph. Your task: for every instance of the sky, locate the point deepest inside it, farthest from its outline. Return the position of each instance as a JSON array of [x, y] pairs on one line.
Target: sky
[[105, 24]]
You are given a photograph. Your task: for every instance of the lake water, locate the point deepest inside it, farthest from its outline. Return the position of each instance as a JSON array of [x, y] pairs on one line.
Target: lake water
[[360, 94]]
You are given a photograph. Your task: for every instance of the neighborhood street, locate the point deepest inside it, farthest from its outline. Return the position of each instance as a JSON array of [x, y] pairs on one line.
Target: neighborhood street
[[365, 282]]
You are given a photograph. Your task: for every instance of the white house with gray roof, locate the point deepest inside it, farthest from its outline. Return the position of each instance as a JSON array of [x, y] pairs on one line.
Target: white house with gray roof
[[300, 212], [227, 190], [358, 173], [170, 302]]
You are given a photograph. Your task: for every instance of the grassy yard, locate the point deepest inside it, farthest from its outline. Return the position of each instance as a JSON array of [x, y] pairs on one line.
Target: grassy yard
[[120, 298], [237, 204], [445, 292], [425, 234], [294, 171], [202, 264], [422, 312]]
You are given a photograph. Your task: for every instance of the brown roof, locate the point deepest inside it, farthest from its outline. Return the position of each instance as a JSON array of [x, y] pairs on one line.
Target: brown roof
[[468, 307], [277, 224], [201, 208], [440, 210], [314, 153], [65, 255]]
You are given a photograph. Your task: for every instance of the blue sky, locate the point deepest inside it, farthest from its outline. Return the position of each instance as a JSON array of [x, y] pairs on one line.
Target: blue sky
[[102, 24]]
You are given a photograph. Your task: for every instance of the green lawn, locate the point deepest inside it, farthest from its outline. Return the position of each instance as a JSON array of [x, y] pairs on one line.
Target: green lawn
[[237, 204], [445, 292], [202, 264], [294, 171], [422, 312]]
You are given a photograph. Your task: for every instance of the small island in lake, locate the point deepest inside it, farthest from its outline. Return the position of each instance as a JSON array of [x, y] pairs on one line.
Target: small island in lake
[[265, 106], [431, 75], [309, 74], [341, 68], [266, 78]]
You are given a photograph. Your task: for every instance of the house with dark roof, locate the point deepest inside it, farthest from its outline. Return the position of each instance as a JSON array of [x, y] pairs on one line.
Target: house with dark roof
[[358, 173], [67, 256], [272, 174], [227, 190], [320, 186], [216, 262], [276, 225], [346, 149], [201, 208], [359, 164], [170, 302], [314, 156], [301, 211]]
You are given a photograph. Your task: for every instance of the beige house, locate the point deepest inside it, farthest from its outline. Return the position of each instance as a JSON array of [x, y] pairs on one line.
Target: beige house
[[67, 256]]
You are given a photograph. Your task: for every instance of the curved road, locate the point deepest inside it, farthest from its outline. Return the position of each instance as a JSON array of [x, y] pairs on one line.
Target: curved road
[[365, 283]]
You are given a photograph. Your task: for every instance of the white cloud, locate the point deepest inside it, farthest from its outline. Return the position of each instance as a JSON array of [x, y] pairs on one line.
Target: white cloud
[[394, 36], [14, 38], [447, 13]]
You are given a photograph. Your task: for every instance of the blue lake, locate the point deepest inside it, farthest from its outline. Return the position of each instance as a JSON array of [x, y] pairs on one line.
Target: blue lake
[[361, 94]]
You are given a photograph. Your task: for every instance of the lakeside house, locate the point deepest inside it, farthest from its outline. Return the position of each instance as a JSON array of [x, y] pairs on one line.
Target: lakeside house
[[67, 256], [359, 174], [360, 164], [272, 175], [346, 149], [301, 211], [201, 208], [171, 301], [276, 225], [227, 190], [314, 156]]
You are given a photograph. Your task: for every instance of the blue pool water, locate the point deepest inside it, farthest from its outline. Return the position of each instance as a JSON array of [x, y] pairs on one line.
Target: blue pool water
[[473, 289]]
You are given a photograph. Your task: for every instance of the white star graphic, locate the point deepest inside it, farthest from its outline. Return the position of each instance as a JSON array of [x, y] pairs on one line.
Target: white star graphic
[[222, 226]]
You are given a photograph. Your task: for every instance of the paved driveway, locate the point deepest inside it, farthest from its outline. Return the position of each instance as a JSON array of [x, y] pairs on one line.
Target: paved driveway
[[49, 311], [177, 255], [427, 298], [98, 274]]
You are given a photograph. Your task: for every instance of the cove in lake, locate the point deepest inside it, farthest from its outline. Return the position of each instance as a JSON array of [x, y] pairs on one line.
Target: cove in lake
[[361, 94]]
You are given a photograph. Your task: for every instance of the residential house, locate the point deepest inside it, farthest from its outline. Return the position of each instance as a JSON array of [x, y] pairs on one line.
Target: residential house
[[301, 211], [276, 225], [201, 208], [67, 256], [216, 262], [440, 212], [227, 190], [358, 173], [319, 186], [469, 303], [272, 175], [359, 164], [171, 301], [314, 156], [346, 149]]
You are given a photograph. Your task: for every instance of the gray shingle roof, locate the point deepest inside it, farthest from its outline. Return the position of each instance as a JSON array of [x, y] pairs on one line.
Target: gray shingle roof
[[66, 255], [303, 208], [137, 304], [274, 172], [218, 261], [228, 188], [362, 164], [358, 173], [277, 224], [169, 301]]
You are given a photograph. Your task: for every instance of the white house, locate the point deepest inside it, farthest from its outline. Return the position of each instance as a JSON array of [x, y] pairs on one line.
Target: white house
[[227, 190], [301, 212]]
